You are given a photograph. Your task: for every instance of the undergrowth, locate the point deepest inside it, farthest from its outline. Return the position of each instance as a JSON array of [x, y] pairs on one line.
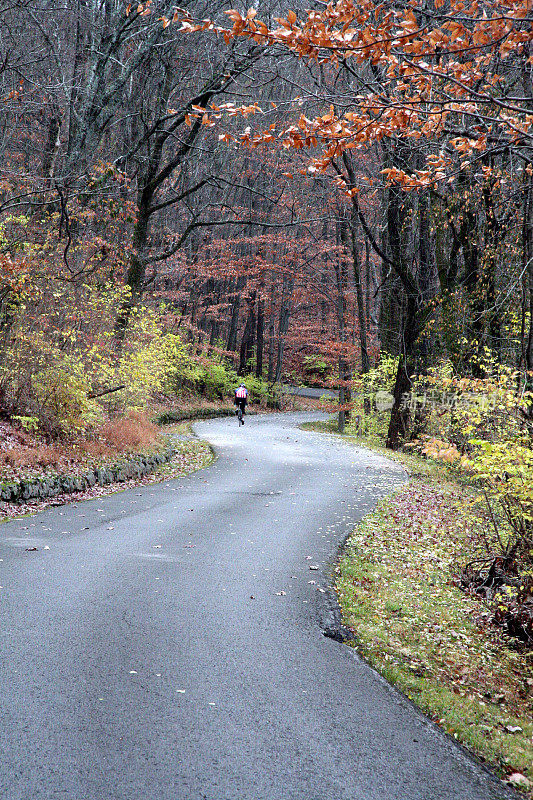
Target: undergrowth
[[399, 587], [24, 456]]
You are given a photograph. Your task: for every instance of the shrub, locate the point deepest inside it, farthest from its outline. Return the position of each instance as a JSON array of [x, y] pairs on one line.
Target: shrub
[[481, 428], [62, 401], [316, 368], [368, 418], [257, 387], [132, 432], [41, 455], [147, 360], [217, 380]]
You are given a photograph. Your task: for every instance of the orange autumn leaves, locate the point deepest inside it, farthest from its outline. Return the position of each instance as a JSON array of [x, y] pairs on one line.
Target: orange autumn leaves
[[435, 73]]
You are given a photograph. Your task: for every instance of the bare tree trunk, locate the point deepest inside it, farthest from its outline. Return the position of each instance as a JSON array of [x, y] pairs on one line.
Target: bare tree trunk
[[339, 266], [136, 273], [271, 337], [527, 237], [399, 419], [260, 337], [283, 327], [52, 147], [234, 318], [351, 245], [247, 341]]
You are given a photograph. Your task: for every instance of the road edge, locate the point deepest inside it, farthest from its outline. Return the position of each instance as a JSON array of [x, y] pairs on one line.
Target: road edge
[[329, 617]]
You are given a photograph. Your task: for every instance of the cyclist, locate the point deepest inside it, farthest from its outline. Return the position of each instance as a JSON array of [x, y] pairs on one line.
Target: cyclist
[[240, 399]]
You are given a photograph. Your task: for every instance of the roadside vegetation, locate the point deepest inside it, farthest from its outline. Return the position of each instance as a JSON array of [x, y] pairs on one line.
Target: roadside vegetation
[[400, 588], [71, 405], [28, 462], [480, 432], [436, 583]]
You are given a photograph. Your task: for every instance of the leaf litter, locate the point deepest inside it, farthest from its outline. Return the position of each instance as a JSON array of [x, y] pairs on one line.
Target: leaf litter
[[397, 584], [190, 456]]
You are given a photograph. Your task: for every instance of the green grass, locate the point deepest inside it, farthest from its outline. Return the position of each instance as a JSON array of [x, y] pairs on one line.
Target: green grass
[[179, 428], [190, 456], [397, 587]]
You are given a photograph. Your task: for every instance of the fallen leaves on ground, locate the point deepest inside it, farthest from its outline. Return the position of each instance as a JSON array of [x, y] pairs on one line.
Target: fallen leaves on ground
[[397, 587], [190, 455]]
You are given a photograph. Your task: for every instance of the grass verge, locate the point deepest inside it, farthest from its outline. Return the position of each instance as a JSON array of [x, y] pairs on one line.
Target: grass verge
[[397, 587]]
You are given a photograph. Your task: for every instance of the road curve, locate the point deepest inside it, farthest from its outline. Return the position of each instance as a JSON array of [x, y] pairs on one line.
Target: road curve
[[166, 646], [311, 391]]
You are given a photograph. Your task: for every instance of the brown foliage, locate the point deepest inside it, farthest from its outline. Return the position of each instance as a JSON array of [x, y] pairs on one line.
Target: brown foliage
[[20, 452], [130, 433], [42, 455]]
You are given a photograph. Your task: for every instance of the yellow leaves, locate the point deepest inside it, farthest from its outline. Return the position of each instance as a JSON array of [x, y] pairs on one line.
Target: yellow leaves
[[441, 450]]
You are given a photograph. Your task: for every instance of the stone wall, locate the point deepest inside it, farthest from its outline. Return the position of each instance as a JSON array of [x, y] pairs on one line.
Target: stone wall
[[50, 486], [198, 413]]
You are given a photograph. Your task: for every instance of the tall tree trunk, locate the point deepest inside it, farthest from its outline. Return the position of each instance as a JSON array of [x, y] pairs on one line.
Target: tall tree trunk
[[271, 337], [370, 284], [247, 341], [234, 318], [412, 324], [413, 350], [136, 273], [260, 337], [468, 236], [52, 147], [350, 245], [283, 326], [340, 267], [493, 233], [361, 311], [410, 327], [527, 244]]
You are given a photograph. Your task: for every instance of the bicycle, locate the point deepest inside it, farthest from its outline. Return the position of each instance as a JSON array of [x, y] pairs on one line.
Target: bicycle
[[240, 413]]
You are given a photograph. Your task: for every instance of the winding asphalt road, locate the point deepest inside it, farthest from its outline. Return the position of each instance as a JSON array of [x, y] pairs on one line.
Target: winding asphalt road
[[311, 391], [164, 643]]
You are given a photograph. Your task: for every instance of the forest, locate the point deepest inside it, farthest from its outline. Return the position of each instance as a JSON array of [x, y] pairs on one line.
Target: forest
[[339, 195], [332, 195]]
